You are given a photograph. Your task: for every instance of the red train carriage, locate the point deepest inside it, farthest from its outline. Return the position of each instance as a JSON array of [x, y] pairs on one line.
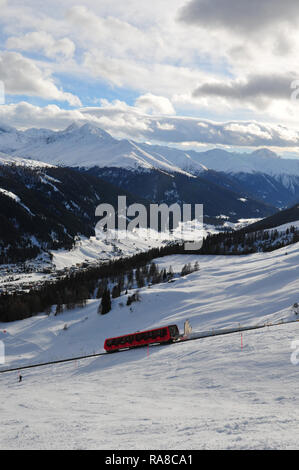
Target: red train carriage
[[166, 334]]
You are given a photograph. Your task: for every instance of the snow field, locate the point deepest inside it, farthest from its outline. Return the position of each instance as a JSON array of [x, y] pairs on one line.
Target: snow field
[[205, 394]]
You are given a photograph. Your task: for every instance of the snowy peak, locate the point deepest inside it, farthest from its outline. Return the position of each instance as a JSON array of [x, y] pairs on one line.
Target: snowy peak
[[87, 130], [264, 153]]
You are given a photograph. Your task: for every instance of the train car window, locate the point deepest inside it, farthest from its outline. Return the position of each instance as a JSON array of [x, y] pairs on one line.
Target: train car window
[[171, 330]]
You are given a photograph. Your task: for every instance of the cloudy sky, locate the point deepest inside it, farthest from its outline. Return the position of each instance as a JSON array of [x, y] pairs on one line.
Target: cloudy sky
[[189, 73]]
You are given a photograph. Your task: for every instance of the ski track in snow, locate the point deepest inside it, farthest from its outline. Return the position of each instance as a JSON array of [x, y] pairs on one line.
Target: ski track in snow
[[205, 394]]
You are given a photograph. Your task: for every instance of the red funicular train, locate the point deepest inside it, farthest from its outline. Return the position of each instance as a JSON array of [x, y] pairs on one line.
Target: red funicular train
[[166, 334]]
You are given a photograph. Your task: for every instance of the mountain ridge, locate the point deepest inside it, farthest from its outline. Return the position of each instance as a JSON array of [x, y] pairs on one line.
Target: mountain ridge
[[88, 145]]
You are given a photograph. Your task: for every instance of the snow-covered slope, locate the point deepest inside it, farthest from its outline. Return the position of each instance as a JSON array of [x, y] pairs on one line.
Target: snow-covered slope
[[83, 146], [246, 290], [199, 395], [6, 159], [202, 394]]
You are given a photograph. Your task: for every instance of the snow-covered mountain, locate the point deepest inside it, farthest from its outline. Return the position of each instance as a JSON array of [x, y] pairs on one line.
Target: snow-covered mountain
[[260, 175], [87, 145], [261, 161]]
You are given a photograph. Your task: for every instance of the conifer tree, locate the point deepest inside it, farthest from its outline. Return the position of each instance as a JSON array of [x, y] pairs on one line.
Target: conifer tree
[[105, 306]]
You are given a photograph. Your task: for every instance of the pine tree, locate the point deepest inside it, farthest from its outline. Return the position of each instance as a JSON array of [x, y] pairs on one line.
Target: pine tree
[[59, 309], [116, 291], [170, 273], [106, 302]]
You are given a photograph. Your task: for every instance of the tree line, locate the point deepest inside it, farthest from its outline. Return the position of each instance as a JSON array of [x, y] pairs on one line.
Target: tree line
[[75, 288]]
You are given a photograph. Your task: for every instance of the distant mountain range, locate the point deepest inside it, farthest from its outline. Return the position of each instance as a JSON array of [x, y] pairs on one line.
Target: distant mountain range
[[88, 145], [261, 175]]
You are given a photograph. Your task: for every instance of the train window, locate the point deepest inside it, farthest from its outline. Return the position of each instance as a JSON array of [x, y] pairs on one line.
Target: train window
[[171, 330]]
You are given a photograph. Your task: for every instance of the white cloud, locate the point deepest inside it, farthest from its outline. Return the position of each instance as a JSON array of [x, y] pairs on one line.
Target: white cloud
[[162, 79], [44, 42], [165, 126], [22, 76], [110, 33], [240, 69], [153, 104], [251, 129], [124, 121]]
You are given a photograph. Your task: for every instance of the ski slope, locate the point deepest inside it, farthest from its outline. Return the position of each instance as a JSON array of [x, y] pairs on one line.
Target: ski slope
[[208, 393]]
